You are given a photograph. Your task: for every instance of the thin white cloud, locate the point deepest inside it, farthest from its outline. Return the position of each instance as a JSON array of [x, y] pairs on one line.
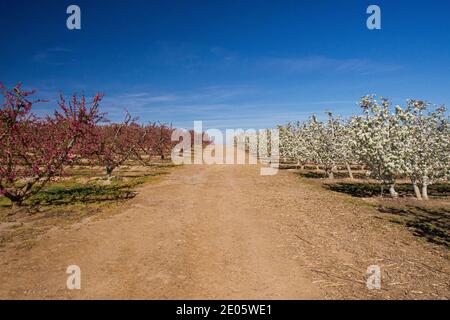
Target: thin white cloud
[[193, 56], [53, 56], [189, 99], [326, 64]]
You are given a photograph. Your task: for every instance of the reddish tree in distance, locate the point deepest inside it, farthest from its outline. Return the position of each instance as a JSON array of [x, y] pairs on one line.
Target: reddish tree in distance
[[117, 142], [157, 143], [35, 150], [162, 143]]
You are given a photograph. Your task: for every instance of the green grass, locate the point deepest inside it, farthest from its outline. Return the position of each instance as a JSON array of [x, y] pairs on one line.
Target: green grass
[[71, 191], [68, 201]]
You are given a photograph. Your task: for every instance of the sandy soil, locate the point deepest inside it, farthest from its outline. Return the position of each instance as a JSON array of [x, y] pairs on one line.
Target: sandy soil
[[225, 232]]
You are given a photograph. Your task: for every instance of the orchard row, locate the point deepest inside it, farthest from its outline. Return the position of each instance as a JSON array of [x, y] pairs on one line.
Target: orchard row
[[35, 150], [410, 142]]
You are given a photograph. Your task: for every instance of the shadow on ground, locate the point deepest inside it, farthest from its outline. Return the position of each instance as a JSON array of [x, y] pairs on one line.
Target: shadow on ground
[[429, 220], [321, 175], [433, 224], [367, 190], [99, 190], [84, 193]]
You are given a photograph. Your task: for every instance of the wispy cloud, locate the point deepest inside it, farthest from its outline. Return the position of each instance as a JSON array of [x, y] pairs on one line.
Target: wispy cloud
[[148, 99], [237, 105], [190, 56], [327, 64], [53, 56], [219, 107]]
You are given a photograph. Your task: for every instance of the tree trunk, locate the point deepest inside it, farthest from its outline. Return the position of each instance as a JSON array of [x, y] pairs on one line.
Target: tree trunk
[[330, 173], [417, 190], [16, 201], [392, 191], [425, 191], [15, 206], [349, 169], [109, 171]]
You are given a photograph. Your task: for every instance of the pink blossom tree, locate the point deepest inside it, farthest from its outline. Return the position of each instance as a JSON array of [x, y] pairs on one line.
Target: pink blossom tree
[[117, 142], [34, 150]]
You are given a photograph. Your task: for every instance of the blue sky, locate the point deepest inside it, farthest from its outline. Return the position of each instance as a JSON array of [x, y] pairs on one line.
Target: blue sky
[[228, 63]]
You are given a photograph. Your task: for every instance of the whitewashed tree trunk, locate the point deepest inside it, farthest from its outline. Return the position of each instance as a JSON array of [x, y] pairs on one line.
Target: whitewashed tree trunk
[[392, 191], [417, 190], [425, 191], [349, 169], [329, 173]]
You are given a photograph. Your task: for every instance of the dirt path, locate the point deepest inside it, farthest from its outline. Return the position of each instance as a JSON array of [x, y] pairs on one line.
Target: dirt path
[[225, 232]]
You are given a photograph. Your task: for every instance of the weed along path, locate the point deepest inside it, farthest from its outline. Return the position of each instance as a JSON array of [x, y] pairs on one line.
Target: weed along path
[[225, 232]]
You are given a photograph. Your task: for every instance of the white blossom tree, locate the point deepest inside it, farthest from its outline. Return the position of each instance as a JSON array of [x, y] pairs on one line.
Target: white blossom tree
[[347, 152], [294, 143], [411, 142], [325, 142], [427, 145], [377, 141]]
